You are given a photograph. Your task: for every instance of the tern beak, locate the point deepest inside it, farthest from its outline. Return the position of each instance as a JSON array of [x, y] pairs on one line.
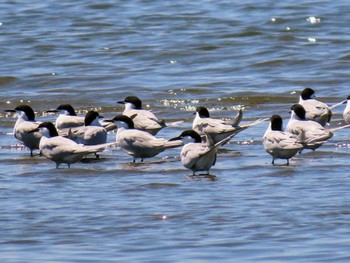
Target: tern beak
[[121, 102], [34, 130], [178, 138], [51, 111]]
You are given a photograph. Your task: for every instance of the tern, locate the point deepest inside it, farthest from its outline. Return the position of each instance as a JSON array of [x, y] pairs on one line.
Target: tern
[[68, 118], [60, 149], [92, 133], [197, 155], [346, 112], [310, 133], [144, 120], [137, 143], [25, 123], [315, 110], [218, 129], [278, 143]]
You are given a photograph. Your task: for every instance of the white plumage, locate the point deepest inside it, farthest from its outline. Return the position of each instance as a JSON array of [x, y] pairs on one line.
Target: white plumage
[[218, 129], [60, 149], [25, 123], [139, 144], [278, 143], [143, 120]]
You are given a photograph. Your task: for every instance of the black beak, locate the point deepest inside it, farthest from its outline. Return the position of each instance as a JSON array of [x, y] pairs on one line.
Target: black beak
[[51, 111], [178, 138], [108, 120], [121, 102], [35, 130], [10, 111]]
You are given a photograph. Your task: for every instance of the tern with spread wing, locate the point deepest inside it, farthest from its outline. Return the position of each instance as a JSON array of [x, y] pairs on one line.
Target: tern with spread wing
[[217, 129]]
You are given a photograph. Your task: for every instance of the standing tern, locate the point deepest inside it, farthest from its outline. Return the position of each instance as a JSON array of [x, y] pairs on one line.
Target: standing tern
[[315, 110], [68, 118], [218, 129], [25, 123], [278, 143], [346, 112], [137, 143], [197, 155], [92, 133], [144, 120], [60, 149], [310, 133]]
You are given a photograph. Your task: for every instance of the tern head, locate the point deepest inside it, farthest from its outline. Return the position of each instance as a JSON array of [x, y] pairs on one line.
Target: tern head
[[188, 136], [348, 97], [66, 109], [276, 123], [299, 111], [47, 129], [123, 121], [132, 102], [307, 94], [25, 112], [202, 112], [91, 118]]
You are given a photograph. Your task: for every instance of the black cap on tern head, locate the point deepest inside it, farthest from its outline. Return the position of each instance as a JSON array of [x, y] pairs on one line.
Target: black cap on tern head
[[90, 116], [203, 112], [27, 110], [348, 97], [191, 133], [134, 100], [68, 108], [276, 123], [307, 93], [50, 126], [125, 119], [299, 111]]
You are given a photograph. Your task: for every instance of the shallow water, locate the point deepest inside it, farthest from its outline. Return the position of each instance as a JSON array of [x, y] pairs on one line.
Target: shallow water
[[175, 56]]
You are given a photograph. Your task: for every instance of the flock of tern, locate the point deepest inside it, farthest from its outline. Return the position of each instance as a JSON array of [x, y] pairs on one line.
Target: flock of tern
[[72, 137]]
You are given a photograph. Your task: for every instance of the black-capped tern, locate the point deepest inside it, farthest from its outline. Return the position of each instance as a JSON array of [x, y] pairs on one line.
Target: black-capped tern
[[25, 123], [60, 149], [278, 143], [143, 119], [92, 133], [315, 110], [137, 143], [217, 129], [197, 155], [67, 117], [310, 133], [346, 112]]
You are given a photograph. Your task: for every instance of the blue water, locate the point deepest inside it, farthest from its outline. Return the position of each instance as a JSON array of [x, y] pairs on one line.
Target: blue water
[[175, 55]]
